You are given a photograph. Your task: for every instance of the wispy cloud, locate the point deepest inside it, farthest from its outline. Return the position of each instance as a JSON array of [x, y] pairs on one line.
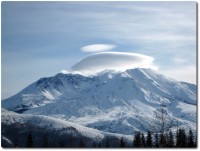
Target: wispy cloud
[[97, 47], [179, 60], [185, 73]]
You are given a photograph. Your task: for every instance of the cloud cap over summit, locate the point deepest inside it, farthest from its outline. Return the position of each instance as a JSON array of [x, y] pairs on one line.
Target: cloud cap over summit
[[113, 60]]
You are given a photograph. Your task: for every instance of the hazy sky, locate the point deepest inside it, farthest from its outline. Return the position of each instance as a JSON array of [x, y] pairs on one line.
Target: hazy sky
[[39, 39]]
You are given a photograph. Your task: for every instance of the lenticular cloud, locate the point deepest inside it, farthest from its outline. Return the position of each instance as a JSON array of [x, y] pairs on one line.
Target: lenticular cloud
[[119, 61], [97, 47]]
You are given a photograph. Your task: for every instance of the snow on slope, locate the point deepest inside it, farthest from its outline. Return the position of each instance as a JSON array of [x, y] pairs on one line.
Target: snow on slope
[[120, 102], [6, 142], [50, 123], [9, 118]]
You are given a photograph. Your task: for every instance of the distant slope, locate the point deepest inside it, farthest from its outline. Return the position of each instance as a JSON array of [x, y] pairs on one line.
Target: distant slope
[[118, 102], [51, 132]]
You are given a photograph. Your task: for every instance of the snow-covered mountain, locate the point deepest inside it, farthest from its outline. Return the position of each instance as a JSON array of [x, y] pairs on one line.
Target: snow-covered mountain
[[119, 102], [54, 132]]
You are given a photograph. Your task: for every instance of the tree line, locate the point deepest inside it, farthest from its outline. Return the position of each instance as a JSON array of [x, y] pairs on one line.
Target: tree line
[[165, 140], [160, 137], [178, 139]]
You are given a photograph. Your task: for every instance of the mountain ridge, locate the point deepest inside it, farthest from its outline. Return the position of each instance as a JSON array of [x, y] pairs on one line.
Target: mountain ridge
[[119, 102], [16, 127]]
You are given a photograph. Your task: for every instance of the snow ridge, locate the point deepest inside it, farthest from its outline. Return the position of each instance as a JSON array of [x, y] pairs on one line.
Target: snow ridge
[[118, 102], [50, 123]]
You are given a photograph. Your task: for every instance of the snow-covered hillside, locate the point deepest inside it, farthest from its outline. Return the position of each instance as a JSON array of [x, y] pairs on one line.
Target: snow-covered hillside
[[119, 102], [16, 128]]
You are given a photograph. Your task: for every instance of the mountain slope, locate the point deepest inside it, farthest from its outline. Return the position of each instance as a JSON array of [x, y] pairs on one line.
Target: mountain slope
[[119, 102], [16, 129]]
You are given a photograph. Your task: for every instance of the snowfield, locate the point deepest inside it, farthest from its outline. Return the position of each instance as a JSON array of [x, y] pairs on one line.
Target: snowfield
[[116, 102], [22, 124]]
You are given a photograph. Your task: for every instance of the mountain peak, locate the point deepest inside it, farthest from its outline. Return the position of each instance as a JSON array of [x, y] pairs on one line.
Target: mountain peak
[[120, 102]]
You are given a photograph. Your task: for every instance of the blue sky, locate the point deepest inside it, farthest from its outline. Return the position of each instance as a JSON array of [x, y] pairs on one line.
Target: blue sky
[[39, 39]]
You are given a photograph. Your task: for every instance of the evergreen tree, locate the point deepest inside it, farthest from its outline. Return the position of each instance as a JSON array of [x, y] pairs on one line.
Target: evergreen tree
[[61, 144], [195, 140], [93, 145], [137, 142], [162, 140], [156, 142], [178, 140], [190, 139], [149, 139], [107, 143], [122, 143], [170, 141], [181, 138], [143, 141], [29, 141], [82, 143], [99, 145], [195, 143], [166, 136], [45, 143], [15, 143]]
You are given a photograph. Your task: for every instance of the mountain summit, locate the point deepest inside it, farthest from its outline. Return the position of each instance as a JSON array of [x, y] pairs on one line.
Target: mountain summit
[[117, 102]]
